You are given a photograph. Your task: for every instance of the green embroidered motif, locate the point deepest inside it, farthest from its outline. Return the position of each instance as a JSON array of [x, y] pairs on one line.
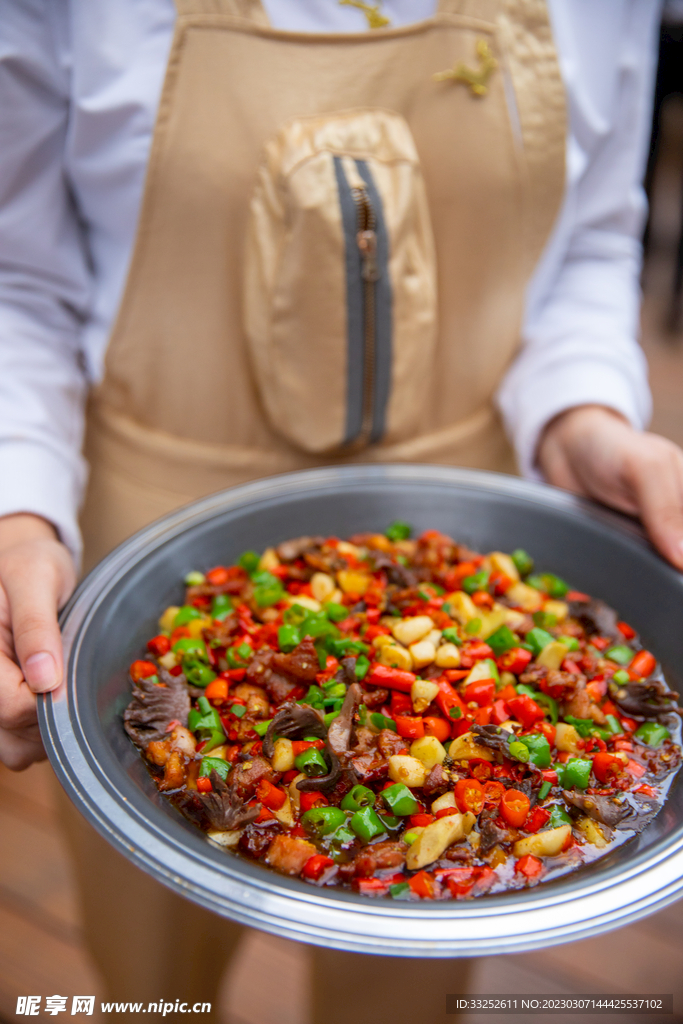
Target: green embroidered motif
[[371, 11], [477, 80]]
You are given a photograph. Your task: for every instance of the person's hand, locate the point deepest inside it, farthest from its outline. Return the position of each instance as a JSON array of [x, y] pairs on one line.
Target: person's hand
[[592, 451], [36, 577]]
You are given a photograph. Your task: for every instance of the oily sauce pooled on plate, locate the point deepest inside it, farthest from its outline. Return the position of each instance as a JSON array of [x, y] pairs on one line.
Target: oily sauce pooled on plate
[[405, 718]]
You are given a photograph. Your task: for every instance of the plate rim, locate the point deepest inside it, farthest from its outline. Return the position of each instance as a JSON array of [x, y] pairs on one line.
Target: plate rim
[[260, 906]]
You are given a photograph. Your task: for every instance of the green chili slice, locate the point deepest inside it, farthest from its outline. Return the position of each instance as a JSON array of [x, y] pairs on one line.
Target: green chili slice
[[523, 561], [366, 824], [311, 762], [400, 800], [652, 733], [358, 798], [398, 531], [323, 820]]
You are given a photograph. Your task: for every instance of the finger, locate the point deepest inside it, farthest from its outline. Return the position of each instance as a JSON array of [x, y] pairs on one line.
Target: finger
[[656, 476], [18, 750], [17, 700], [33, 598]]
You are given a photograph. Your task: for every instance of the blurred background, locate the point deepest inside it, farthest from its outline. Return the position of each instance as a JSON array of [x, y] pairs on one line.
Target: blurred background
[[41, 950]]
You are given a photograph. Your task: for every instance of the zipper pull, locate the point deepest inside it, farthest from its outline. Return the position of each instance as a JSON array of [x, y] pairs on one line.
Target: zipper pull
[[367, 244]]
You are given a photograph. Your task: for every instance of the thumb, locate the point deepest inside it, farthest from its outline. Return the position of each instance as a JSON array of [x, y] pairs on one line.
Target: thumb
[[34, 589], [657, 481]]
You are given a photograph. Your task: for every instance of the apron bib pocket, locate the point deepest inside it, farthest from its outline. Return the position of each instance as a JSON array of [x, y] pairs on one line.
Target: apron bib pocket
[[340, 282]]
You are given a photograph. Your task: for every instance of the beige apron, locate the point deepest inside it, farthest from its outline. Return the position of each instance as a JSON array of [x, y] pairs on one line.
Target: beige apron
[[178, 414]]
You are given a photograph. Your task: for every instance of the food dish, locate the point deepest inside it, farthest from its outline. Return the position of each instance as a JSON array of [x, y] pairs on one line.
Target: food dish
[[102, 772], [406, 718]]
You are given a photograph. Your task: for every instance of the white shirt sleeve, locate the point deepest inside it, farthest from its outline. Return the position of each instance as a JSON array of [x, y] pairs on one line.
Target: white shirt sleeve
[[581, 324], [44, 279]]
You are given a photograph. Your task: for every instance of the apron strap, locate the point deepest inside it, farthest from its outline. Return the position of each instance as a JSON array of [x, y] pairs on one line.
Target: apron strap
[[482, 10], [248, 10], [254, 11]]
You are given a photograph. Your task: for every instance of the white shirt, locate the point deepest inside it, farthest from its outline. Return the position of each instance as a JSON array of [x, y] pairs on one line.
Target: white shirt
[[79, 87]]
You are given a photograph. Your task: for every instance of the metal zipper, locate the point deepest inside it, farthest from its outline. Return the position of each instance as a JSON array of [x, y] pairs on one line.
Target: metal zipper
[[366, 240], [369, 307]]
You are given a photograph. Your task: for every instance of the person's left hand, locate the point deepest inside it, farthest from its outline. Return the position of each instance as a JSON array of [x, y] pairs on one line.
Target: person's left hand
[[594, 452]]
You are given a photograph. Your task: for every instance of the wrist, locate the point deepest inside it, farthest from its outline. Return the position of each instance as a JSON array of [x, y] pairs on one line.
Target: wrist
[[22, 527], [573, 427]]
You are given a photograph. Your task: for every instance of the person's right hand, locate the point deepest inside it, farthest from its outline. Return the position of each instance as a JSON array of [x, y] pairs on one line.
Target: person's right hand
[[37, 575]]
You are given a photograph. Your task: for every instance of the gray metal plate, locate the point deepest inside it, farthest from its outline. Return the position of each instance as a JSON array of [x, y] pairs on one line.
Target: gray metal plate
[[114, 611]]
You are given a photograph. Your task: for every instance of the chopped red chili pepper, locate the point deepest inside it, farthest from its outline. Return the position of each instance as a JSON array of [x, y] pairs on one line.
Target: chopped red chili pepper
[[507, 692], [536, 819], [217, 691], [482, 716], [526, 710], [298, 746], [454, 675], [420, 820], [218, 576], [401, 704], [449, 702], [394, 678], [233, 675], [481, 691], [372, 632], [455, 576], [313, 798], [529, 866], [493, 792], [271, 796], [410, 727], [515, 660], [477, 650], [480, 769], [500, 712], [159, 645], [142, 670], [371, 886], [316, 866], [469, 795], [643, 664], [514, 807], [422, 884], [597, 688], [548, 730], [437, 727], [460, 881], [500, 583]]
